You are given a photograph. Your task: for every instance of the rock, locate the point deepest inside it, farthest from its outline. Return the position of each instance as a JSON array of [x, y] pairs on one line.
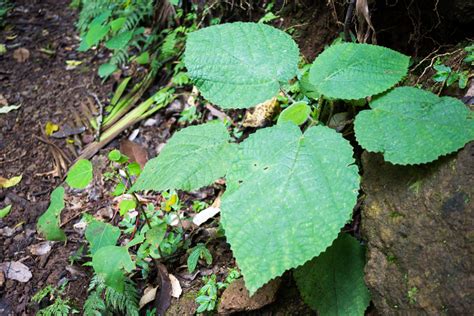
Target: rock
[[418, 221], [184, 306], [236, 297]]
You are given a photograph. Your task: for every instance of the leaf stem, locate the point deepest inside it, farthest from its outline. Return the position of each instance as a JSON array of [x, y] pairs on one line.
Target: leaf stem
[[287, 95]]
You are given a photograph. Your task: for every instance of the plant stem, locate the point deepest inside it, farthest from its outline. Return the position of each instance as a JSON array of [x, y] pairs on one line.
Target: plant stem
[[348, 20], [287, 95]]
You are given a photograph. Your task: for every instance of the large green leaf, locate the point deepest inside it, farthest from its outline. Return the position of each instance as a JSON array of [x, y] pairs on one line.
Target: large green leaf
[[355, 71], [239, 65], [333, 283], [80, 174], [111, 262], [413, 126], [287, 197], [194, 157], [48, 223], [100, 234]]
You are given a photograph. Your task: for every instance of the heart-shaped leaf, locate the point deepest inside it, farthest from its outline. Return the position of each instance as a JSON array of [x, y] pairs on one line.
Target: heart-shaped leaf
[[239, 65], [287, 197], [355, 71], [413, 126]]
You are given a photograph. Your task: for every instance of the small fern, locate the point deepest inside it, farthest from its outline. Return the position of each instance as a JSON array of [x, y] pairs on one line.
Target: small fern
[[60, 307], [103, 298]]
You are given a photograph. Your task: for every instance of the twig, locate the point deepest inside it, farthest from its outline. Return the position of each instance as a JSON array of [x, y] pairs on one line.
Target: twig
[[433, 61], [101, 114], [348, 20]]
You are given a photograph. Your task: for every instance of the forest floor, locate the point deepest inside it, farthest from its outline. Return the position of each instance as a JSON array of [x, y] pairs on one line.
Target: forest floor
[[41, 40]]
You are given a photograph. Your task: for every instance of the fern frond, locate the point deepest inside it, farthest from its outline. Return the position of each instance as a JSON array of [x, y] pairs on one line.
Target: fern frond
[[94, 305], [126, 302]]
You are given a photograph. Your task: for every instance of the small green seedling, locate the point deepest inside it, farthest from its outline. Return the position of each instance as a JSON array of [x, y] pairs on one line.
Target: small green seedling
[[198, 252]]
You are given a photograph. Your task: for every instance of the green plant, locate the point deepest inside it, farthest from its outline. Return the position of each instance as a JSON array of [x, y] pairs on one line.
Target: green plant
[[103, 299], [208, 295], [447, 76], [411, 295], [290, 189], [469, 59], [189, 115], [5, 6], [59, 306], [118, 24], [198, 252]]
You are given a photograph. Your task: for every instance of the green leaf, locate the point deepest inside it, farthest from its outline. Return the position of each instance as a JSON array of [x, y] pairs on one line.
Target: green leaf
[[126, 205], [297, 113], [100, 234], [307, 88], [119, 91], [117, 24], [110, 262], [106, 70], [333, 283], [287, 197], [5, 211], [193, 259], [119, 189], [200, 251], [194, 157], [48, 223], [80, 174], [156, 235], [143, 59], [354, 71], [119, 41], [116, 156], [96, 33], [134, 169], [239, 65], [413, 126]]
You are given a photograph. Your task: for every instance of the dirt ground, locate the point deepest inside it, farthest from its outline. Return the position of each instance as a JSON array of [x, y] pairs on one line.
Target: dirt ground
[[47, 92]]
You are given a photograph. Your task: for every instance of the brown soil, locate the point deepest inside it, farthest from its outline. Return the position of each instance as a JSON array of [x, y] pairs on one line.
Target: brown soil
[[47, 92]]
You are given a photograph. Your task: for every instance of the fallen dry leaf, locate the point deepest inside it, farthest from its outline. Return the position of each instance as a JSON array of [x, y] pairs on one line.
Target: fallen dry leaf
[[15, 270], [40, 249], [207, 213], [134, 151], [149, 295], [7, 183], [21, 54], [50, 128], [2, 278], [176, 289], [3, 101], [261, 114], [9, 108], [164, 298]]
